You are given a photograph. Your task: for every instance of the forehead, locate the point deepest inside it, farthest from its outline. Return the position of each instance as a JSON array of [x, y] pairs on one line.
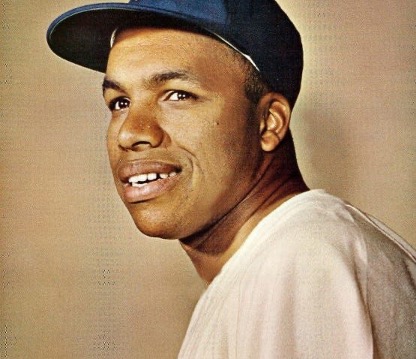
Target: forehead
[[149, 46]]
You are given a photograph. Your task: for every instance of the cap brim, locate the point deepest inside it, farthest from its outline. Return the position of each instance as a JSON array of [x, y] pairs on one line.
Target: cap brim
[[83, 35]]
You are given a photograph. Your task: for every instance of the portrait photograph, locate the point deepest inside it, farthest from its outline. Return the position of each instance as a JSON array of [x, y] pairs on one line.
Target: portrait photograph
[[207, 179]]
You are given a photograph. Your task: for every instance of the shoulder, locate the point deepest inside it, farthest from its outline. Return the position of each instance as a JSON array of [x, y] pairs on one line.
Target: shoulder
[[305, 283], [334, 267], [311, 249], [317, 242], [315, 230], [316, 224]]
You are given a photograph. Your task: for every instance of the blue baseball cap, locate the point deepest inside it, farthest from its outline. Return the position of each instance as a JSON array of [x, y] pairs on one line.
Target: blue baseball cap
[[258, 29]]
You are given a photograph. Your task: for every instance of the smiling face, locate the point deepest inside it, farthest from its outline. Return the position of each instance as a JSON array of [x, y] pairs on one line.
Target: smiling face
[[183, 141]]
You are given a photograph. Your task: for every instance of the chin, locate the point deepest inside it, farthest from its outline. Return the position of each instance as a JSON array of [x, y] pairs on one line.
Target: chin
[[153, 226], [167, 222]]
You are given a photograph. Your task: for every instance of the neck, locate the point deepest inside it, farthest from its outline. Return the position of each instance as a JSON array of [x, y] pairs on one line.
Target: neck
[[211, 248]]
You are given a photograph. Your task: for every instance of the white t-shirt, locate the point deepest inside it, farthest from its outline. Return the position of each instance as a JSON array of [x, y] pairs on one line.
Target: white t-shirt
[[316, 278]]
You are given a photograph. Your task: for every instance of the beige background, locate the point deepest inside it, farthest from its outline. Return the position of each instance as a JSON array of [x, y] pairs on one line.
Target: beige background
[[78, 280]]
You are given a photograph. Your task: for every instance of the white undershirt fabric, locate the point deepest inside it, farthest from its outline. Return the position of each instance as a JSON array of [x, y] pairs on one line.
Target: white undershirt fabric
[[316, 278]]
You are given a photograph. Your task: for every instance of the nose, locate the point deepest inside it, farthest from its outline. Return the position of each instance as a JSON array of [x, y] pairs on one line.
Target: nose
[[139, 131]]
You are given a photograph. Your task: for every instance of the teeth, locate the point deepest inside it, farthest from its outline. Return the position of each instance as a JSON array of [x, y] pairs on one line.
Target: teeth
[[139, 178], [151, 176], [142, 179]]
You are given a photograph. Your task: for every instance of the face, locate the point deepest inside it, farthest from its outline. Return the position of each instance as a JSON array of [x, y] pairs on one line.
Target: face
[[183, 144]]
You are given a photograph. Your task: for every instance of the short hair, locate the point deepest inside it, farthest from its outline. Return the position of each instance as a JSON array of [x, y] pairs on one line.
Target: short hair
[[254, 86]]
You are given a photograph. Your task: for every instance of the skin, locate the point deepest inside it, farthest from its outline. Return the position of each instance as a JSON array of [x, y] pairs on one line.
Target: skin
[[177, 101]]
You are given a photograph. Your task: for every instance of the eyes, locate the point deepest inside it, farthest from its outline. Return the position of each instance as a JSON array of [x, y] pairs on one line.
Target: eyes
[[179, 96], [121, 103]]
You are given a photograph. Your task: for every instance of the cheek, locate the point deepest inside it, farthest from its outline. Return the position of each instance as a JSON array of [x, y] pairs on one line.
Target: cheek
[[228, 149], [112, 144]]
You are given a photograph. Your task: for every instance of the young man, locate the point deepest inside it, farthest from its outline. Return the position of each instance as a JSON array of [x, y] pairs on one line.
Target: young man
[[200, 148]]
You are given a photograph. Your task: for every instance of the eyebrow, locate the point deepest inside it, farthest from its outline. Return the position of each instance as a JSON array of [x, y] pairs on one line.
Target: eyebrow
[[111, 84], [154, 81]]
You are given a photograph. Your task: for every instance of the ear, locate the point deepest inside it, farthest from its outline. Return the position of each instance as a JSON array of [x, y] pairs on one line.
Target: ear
[[275, 113]]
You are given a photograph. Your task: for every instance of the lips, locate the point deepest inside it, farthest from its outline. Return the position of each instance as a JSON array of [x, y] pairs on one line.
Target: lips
[[145, 180]]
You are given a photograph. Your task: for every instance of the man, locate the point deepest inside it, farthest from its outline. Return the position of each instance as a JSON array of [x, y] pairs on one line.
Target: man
[[200, 148]]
